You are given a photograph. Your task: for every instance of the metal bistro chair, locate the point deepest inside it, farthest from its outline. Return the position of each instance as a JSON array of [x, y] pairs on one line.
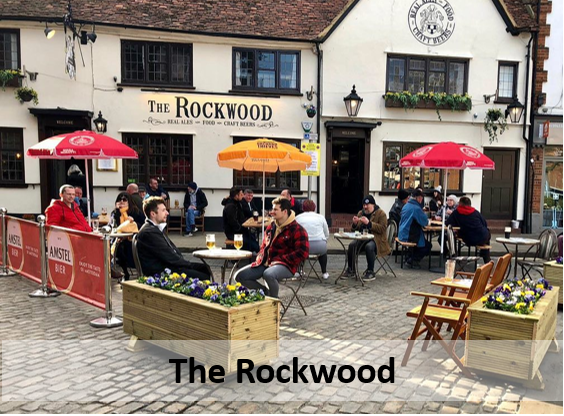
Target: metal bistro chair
[[312, 260], [287, 282], [391, 233], [545, 251], [453, 252], [136, 256]]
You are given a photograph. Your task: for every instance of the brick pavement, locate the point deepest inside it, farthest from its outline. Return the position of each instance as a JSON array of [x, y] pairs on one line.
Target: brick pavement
[[346, 311]]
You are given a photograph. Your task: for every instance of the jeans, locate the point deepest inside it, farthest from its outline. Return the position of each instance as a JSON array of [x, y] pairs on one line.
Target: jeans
[[190, 222], [370, 249], [248, 277], [420, 252], [319, 247]]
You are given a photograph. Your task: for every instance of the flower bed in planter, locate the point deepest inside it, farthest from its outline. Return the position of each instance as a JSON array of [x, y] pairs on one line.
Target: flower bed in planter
[[553, 273], [507, 344], [164, 317]]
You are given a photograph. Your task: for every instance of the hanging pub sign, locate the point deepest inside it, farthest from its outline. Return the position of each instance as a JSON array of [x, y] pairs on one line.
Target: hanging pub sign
[[431, 22]]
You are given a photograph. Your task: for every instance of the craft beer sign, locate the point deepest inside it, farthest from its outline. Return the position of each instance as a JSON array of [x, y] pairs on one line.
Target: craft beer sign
[[185, 111], [431, 22]]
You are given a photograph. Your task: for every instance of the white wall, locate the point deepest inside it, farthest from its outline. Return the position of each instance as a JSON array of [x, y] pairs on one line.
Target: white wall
[[553, 88]]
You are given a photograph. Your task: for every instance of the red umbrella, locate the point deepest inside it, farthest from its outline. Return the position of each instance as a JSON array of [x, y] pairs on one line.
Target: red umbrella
[[447, 155], [81, 144]]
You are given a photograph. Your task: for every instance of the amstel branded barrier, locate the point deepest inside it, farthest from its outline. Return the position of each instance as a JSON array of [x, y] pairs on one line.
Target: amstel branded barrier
[[24, 249], [75, 263]]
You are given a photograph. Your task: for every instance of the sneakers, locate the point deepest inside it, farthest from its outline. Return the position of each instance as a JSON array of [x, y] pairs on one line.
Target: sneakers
[[325, 276], [348, 273], [188, 235], [195, 230], [369, 275]]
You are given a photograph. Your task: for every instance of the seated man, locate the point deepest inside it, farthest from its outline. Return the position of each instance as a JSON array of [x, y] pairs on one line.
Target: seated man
[[473, 227], [295, 204], [195, 202], [81, 202], [247, 203], [156, 251], [233, 220], [284, 247], [413, 219], [154, 189], [66, 212], [401, 200], [373, 219], [133, 191]]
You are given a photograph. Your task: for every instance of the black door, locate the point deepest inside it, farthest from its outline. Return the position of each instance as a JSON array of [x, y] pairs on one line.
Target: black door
[[347, 178], [498, 186]]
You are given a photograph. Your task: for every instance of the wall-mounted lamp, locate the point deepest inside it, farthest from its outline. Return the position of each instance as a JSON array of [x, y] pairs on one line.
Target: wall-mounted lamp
[[488, 97], [309, 94], [353, 102], [101, 123], [514, 111], [85, 36], [49, 33]]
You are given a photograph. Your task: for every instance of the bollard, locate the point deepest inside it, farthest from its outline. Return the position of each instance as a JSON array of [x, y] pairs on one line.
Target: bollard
[[4, 269], [109, 321], [44, 291]]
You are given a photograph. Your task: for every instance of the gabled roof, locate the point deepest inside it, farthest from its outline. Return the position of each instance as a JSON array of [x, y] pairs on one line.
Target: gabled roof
[[274, 19], [518, 15]]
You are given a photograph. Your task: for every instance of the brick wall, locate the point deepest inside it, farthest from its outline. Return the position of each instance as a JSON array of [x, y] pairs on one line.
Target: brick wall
[[538, 156], [543, 52]]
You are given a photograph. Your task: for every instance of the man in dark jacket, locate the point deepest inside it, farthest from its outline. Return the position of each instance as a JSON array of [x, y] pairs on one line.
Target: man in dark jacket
[[156, 251], [154, 189], [233, 219], [401, 200], [247, 203], [473, 227], [195, 202], [284, 247], [296, 205]]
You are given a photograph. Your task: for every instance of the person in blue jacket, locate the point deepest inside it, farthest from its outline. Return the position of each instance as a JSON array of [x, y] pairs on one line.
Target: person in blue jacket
[[473, 226], [413, 219]]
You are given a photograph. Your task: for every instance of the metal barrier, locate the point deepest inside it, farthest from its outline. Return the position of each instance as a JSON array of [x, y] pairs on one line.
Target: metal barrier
[[4, 269], [44, 291]]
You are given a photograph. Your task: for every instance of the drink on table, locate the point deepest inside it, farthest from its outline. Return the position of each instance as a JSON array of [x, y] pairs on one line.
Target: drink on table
[[255, 216], [210, 241], [365, 231], [238, 241]]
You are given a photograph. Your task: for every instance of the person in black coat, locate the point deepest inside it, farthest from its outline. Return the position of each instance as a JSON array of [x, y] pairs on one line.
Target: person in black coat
[[156, 251], [473, 226], [195, 202], [395, 211], [248, 204], [233, 219]]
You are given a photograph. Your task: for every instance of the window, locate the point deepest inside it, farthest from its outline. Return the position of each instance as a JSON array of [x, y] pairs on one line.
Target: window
[[273, 181], [553, 200], [263, 70], [506, 82], [395, 177], [153, 63], [9, 49], [414, 74], [164, 156], [11, 156]]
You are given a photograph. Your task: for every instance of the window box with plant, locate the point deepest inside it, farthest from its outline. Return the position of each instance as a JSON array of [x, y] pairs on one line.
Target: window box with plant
[[431, 100], [495, 123], [9, 78], [26, 94]]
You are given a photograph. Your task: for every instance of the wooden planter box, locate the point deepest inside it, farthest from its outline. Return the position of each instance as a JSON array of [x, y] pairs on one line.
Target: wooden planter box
[[515, 358], [422, 104], [553, 273], [153, 314]]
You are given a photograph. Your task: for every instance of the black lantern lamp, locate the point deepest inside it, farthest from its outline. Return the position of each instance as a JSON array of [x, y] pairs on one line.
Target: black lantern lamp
[[101, 123], [352, 102], [514, 110], [49, 32]]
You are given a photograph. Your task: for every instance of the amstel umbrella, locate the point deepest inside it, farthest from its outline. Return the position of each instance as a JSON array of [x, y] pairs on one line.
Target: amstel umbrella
[[81, 144], [263, 155], [447, 155]]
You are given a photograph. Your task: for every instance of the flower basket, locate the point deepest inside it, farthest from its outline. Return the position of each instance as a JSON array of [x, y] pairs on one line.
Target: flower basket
[[431, 101], [510, 345], [553, 273], [25, 94], [311, 111], [494, 123], [160, 316]]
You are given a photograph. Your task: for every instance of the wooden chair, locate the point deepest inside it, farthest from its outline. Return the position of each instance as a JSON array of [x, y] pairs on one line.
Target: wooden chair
[[198, 221], [545, 251], [406, 247], [391, 233], [462, 245], [433, 315], [136, 256]]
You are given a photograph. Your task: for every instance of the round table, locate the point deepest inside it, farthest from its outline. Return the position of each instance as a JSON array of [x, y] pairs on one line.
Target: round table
[[226, 255], [516, 241], [363, 238]]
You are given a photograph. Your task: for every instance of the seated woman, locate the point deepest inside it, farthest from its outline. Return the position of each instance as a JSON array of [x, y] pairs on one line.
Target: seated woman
[[317, 231], [125, 210], [452, 204], [436, 201]]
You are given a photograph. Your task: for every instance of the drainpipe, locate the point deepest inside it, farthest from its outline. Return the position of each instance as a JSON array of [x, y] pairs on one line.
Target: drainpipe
[[528, 198], [319, 62]]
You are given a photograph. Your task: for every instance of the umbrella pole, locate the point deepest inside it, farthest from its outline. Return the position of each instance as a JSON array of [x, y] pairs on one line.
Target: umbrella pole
[[263, 201], [441, 268], [88, 193]]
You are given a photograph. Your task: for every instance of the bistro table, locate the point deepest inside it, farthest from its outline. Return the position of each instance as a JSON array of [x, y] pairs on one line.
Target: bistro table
[[363, 238], [516, 241], [430, 230], [226, 255], [251, 223]]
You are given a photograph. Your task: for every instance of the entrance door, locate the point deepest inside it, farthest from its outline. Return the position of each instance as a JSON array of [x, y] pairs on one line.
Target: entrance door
[[498, 186], [347, 178]]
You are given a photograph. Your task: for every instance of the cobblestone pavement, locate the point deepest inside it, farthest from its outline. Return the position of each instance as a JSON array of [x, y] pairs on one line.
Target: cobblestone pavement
[[346, 311]]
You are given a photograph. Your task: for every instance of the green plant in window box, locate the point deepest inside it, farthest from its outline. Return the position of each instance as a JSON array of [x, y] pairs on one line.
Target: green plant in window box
[[495, 123], [6, 75], [26, 94], [456, 102]]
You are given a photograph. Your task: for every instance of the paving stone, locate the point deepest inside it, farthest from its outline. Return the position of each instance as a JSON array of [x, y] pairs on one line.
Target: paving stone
[[392, 407]]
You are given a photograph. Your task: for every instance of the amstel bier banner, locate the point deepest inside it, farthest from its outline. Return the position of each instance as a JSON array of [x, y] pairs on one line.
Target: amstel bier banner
[[24, 255], [76, 264], [1, 242]]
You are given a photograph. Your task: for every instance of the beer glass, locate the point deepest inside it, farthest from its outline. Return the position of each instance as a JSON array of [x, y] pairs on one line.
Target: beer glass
[[255, 216], [365, 231], [238, 241], [95, 225], [341, 230], [210, 241], [449, 270]]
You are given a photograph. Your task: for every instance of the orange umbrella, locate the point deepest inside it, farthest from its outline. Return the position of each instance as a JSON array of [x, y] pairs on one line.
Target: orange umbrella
[[263, 155]]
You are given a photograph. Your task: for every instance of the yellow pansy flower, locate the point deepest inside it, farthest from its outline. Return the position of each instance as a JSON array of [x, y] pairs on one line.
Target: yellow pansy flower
[[520, 283], [230, 287], [237, 284], [484, 299], [208, 292]]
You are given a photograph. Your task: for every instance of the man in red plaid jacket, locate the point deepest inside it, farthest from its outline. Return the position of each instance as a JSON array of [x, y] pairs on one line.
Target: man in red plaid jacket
[[284, 247]]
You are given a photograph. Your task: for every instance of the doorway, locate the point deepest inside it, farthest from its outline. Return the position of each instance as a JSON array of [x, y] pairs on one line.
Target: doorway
[[498, 186], [347, 175]]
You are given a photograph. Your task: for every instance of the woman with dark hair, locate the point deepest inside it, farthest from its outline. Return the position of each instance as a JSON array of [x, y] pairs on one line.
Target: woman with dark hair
[[317, 231], [436, 201], [125, 210]]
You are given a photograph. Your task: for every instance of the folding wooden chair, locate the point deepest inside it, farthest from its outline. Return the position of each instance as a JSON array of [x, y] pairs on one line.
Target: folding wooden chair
[[391, 233], [406, 247], [433, 315], [499, 273]]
